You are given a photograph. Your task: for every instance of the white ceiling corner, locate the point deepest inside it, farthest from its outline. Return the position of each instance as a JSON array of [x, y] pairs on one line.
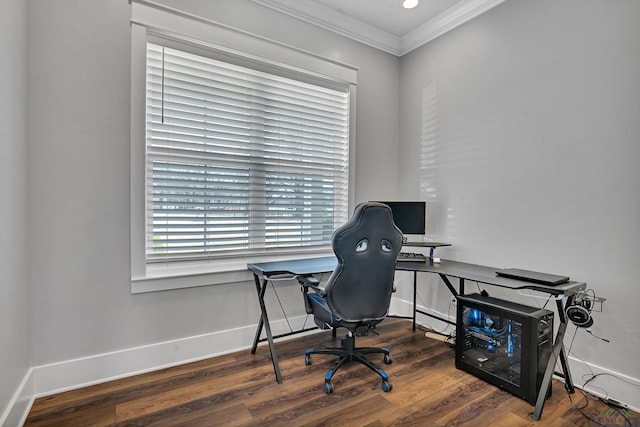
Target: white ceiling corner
[[383, 24]]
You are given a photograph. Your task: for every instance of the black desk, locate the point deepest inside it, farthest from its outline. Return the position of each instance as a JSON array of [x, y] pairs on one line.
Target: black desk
[[294, 267], [446, 269], [283, 269]]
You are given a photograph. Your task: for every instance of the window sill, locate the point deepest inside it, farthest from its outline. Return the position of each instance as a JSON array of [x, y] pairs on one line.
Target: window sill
[[164, 277]]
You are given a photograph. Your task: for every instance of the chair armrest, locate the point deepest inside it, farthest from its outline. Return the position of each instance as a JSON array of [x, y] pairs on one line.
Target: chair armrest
[[312, 282], [307, 282]]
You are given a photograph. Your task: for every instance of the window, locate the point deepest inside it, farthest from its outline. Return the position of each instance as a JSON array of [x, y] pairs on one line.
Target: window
[[240, 161], [240, 150]]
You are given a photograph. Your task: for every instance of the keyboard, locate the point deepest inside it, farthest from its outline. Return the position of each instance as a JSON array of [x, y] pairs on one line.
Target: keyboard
[[410, 256]]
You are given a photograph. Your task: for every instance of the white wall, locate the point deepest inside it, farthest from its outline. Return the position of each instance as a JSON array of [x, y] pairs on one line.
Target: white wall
[[526, 124], [79, 188], [14, 307]]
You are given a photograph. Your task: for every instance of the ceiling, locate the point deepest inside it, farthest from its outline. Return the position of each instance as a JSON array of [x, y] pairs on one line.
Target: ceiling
[[384, 24]]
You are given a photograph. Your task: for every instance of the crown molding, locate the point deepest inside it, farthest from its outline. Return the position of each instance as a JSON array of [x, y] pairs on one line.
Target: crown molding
[[331, 20], [446, 21]]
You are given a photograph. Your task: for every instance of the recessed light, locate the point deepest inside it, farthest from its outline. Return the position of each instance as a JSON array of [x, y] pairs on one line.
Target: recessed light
[[409, 4]]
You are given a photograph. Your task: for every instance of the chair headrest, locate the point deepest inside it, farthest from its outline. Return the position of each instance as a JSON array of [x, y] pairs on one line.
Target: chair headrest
[[366, 247]]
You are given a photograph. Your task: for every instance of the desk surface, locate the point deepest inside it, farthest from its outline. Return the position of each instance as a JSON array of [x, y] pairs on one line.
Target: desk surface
[[484, 274], [295, 267], [461, 270]]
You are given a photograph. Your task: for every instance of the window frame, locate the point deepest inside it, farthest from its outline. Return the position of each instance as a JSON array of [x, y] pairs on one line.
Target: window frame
[[155, 21]]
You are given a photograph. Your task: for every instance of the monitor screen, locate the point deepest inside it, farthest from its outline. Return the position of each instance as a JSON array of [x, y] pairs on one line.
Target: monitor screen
[[410, 217]]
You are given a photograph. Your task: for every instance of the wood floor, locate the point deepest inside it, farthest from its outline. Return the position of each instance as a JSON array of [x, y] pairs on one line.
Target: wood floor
[[239, 389]]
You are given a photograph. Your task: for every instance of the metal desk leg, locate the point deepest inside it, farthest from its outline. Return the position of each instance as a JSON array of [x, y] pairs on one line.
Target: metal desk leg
[[453, 291], [558, 351], [261, 291], [447, 282], [264, 321], [568, 382], [415, 280]]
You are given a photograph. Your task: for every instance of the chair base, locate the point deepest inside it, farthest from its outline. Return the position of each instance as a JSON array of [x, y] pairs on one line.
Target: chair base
[[348, 352]]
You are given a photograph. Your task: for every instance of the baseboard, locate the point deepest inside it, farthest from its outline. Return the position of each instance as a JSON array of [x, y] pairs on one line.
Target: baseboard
[[16, 412], [72, 374], [608, 383]]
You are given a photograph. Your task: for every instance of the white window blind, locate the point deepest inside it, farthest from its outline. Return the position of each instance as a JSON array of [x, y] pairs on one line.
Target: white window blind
[[240, 161]]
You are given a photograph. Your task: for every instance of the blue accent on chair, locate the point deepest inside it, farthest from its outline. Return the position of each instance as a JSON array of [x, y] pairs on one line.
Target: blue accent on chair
[[358, 293], [321, 304]]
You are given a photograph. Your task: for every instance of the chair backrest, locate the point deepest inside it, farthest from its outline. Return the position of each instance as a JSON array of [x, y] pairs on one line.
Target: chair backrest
[[359, 290]]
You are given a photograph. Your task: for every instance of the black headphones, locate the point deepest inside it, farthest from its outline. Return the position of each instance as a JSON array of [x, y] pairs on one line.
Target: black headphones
[[579, 308]]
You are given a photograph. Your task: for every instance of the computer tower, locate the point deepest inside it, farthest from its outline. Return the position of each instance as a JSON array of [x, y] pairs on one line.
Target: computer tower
[[504, 343]]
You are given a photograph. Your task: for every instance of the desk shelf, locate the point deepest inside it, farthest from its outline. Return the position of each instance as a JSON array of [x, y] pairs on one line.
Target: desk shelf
[[432, 245]]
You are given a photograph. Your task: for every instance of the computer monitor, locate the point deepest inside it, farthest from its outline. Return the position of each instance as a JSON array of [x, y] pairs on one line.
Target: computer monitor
[[410, 217]]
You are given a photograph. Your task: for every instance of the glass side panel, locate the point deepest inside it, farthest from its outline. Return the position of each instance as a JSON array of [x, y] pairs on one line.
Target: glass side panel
[[492, 343]]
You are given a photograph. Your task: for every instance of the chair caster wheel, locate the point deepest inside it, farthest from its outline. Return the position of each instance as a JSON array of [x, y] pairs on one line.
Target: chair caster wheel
[[307, 359], [388, 359], [328, 387], [386, 386]]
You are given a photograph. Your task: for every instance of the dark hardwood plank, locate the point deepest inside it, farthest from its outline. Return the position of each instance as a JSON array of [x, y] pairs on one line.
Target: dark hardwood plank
[[239, 389]]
